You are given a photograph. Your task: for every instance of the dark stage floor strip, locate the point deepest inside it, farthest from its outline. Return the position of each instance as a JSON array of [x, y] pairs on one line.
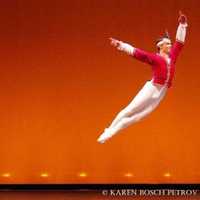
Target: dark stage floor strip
[[74, 187]]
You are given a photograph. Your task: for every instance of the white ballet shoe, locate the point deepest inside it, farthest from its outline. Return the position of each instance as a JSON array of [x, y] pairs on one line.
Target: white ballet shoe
[[104, 136]]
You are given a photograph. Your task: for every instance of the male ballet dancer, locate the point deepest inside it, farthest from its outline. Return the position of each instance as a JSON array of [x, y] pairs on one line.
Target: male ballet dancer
[[163, 67]]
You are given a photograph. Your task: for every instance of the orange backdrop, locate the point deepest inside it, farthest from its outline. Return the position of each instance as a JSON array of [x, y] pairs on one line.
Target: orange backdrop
[[62, 83]]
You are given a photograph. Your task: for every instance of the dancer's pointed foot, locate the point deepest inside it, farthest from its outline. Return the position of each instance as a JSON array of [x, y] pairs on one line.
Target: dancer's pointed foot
[[104, 136]]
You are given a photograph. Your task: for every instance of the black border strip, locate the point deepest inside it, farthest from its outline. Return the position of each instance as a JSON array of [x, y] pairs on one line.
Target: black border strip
[[90, 187]]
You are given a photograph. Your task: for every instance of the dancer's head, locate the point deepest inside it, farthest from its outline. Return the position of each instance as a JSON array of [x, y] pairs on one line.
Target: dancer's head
[[164, 43]]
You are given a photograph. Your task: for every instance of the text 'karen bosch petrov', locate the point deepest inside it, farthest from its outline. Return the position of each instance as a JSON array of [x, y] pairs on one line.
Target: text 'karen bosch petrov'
[[160, 192]]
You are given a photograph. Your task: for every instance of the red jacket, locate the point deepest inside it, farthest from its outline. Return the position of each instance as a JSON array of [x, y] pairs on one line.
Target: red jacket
[[162, 72]]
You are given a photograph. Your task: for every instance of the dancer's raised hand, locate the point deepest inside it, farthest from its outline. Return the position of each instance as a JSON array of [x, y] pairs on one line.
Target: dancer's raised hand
[[182, 18]]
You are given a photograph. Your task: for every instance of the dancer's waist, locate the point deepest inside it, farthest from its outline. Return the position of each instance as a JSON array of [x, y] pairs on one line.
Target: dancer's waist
[[158, 84]]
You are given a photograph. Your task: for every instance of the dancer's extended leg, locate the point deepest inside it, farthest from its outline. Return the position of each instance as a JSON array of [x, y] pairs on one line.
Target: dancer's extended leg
[[127, 121], [141, 100], [124, 122], [135, 111]]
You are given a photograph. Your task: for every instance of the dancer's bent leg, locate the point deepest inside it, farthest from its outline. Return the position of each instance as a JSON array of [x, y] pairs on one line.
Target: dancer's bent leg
[[125, 119], [125, 122], [140, 101]]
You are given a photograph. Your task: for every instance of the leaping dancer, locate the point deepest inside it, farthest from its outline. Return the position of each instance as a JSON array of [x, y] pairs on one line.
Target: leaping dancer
[[163, 67]]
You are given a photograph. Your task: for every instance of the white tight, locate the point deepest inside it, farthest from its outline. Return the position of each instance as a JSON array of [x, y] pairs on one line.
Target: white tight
[[144, 103]]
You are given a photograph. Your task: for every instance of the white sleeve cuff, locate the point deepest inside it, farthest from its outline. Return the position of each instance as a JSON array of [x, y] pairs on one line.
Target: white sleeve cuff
[[127, 48], [181, 32]]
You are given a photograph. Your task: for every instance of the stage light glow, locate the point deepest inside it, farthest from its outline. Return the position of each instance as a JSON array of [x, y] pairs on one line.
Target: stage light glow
[[167, 174], [128, 174], [6, 175], [44, 175], [82, 174]]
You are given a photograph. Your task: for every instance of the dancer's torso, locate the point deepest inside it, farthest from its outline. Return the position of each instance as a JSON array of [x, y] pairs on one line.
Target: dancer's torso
[[163, 70]]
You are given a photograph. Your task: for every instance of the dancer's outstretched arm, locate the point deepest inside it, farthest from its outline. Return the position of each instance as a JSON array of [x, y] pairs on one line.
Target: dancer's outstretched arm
[[180, 37], [139, 54], [122, 46], [181, 31]]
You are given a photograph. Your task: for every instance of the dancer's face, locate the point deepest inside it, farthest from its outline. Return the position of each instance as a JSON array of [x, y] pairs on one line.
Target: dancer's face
[[166, 46]]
